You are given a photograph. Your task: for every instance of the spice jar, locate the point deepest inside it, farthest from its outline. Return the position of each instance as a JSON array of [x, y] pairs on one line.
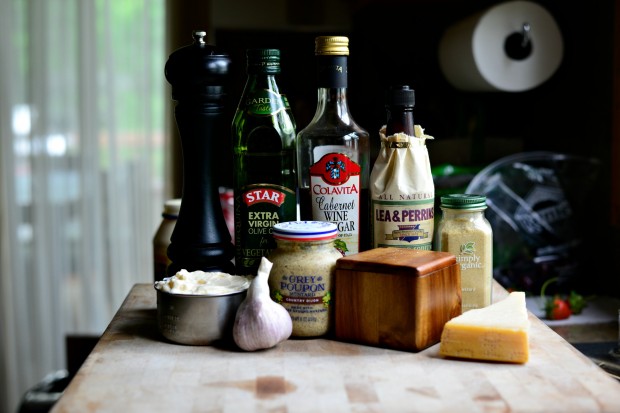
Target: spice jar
[[465, 232], [161, 240], [304, 263]]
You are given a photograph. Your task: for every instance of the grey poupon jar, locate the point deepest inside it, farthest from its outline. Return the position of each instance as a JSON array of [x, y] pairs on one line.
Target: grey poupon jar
[[304, 263], [465, 232]]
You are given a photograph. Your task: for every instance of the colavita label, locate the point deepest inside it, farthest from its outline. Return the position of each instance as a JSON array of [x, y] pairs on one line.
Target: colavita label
[[261, 207], [335, 197], [404, 223]]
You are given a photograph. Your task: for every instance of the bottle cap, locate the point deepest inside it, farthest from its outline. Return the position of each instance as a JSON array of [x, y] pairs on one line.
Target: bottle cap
[[463, 201], [266, 61], [400, 96], [198, 70], [331, 45], [305, 231]]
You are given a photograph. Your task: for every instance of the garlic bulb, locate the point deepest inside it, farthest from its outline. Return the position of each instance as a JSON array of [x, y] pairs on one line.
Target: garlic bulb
[[260, 322]]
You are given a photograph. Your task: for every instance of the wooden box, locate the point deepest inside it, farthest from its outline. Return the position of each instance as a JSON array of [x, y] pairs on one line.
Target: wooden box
[[395, 298]]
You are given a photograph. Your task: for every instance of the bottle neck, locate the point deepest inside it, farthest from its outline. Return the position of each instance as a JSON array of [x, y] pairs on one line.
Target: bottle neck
[[332, 103], [332, 84], [332, 72], [263, 81], [399, 120]]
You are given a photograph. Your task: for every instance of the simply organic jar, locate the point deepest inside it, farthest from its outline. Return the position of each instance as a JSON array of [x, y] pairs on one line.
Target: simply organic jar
[[304, 263], [465, 232]]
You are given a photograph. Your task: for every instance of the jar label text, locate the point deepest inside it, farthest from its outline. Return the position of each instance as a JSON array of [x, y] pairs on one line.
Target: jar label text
[[258, 208], [405, 224]]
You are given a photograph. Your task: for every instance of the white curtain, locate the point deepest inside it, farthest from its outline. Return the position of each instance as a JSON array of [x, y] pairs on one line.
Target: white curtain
[[82, 108]]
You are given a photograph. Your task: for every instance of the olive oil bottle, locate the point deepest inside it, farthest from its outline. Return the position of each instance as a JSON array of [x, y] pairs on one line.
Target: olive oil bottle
[[264, 180]]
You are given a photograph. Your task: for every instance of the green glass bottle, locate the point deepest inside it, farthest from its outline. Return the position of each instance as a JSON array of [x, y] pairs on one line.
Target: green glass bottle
[[263, 132]]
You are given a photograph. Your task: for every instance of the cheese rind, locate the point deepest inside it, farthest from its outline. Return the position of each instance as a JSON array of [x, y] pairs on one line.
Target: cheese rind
[[499, 332]]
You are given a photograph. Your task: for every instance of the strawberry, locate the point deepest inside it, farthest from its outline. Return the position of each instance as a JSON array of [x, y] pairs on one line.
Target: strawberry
[[557, 308]]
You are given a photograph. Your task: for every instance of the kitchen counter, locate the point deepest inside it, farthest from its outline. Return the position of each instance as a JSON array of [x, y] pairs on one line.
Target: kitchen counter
[[133, 369]]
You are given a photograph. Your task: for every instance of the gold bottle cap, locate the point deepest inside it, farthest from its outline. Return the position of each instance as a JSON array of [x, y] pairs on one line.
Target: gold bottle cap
[[332, 45]]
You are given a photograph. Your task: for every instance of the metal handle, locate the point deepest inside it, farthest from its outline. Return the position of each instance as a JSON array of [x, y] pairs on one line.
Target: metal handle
[[526, 34]]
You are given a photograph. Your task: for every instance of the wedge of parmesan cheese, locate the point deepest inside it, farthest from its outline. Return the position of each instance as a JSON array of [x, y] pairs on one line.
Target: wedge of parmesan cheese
[[499, 332]]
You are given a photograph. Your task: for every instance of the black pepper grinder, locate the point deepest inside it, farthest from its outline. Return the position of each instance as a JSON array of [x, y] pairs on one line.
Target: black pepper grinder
[[200, 240]]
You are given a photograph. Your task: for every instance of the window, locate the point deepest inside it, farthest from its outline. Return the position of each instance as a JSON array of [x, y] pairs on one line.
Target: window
[[82, 143]]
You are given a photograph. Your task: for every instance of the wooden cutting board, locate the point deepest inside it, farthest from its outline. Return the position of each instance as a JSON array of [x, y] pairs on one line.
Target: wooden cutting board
[[132, 369]]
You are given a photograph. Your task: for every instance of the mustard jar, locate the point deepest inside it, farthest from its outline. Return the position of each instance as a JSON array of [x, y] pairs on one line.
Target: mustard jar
[[304, 263], [464, 231]]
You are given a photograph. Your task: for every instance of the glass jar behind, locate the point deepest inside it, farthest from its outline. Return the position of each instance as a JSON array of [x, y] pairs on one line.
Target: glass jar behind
[[465, 232], [161, 240], [304, 263]]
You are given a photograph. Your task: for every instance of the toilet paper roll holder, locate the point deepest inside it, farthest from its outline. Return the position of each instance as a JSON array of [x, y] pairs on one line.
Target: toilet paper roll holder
[[518, 45]]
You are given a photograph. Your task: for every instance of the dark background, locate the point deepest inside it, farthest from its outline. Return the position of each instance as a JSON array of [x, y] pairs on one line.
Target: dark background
[[396, 42]]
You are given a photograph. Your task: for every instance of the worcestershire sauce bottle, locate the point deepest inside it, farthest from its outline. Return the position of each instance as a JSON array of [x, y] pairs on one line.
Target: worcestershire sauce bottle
[[263, 133], [402, 191]]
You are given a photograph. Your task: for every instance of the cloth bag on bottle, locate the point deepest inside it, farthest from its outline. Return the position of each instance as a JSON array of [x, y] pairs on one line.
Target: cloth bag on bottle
[[402, 192]]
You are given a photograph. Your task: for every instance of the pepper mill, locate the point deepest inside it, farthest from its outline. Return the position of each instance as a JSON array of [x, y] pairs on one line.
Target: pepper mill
[[200, 240]]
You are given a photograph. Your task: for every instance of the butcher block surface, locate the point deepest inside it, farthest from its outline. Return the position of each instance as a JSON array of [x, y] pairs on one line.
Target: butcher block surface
[[133, 369]]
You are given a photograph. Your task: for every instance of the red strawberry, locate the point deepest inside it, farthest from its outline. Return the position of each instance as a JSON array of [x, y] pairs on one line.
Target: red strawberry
[[557, 309]]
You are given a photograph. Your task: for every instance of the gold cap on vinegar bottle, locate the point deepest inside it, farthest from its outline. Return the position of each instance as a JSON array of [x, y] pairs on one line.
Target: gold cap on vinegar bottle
[[332, 45]]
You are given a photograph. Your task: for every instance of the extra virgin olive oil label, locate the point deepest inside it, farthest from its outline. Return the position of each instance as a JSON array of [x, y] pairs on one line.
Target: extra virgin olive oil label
[[257, 210], [335, 197]]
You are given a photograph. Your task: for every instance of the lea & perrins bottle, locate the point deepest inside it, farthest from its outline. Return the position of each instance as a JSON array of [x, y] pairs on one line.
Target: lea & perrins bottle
[[333, 154], [402, 190], [263, 132]]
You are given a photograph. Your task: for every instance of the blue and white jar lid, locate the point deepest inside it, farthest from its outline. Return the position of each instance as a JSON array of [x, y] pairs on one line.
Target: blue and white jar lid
[[305, 231]]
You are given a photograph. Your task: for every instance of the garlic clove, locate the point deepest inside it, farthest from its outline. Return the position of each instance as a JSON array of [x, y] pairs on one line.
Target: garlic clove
[[260, 322]]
